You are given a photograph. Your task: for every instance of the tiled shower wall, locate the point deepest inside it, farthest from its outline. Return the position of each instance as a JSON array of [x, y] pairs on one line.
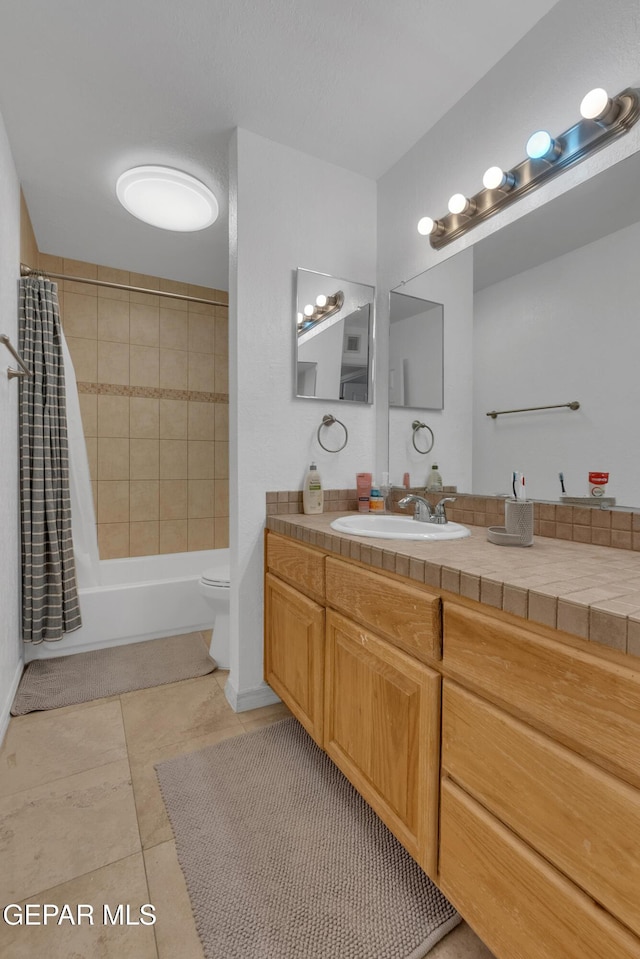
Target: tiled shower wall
[[153, 382]]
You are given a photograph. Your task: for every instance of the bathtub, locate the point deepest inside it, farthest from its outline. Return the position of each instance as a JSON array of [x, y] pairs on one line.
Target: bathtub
[[138, 598]]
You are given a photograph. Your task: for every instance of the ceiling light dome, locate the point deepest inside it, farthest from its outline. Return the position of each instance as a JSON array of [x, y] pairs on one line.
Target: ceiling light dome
[[167, 198]]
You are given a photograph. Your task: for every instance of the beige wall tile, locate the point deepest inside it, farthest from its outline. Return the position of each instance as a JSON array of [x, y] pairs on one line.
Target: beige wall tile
[[174, 331], [146, 299], [84, 353], [201, 459], [113, 458], [221, 365], [221, 341], [80, 315], [144, 500], [201, 333], [173, 536], [80, 268], [113, 320], [144, 417], [173, 419], [89, 413], [144, 539], [221, 532], [145, 459], [113, 415], [91, 444], [111, 275], [113, 540], [201, 534], [145, 280], [221, 498], [144, 324], [221, 416], [221, 470], [145, 370], [173, 286], [113, 363], [201, 498], [173, 459], [113, 501], [202, 421], [173, 499], [202, 372], [174, 369]]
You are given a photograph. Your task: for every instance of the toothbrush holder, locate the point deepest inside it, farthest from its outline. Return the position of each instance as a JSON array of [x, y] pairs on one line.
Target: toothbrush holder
[[518, 520]]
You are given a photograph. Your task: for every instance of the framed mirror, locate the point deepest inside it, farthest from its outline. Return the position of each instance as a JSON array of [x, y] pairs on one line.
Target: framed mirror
[[333, 338], [416, 329]]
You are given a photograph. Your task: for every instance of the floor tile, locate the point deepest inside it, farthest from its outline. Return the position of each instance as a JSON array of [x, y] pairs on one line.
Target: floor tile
[[462, 943], [120, 882], [254, 719], [175, 713], [44, 746], [175, 929], [51, 833], [152, 815]]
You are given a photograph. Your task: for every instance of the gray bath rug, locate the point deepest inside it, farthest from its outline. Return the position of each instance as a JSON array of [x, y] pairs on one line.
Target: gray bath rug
[[284, 860], [67, 680]]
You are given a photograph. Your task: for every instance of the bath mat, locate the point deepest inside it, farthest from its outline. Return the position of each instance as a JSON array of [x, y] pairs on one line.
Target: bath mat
[[68, 680], [283, 859]]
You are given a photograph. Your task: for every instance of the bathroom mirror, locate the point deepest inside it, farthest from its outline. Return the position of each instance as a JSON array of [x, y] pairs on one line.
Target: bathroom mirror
[[554, 320], [415, 352], [333, 338]]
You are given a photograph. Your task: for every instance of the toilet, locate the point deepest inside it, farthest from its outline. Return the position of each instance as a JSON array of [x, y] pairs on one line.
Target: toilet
[[214, 587]]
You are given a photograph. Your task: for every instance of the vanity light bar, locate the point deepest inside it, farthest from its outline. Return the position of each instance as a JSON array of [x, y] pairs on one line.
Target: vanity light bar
[[603, 119], [325, 306]]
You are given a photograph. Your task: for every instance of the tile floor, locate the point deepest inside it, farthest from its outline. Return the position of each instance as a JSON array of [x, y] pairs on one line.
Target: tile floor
[[82, 821]]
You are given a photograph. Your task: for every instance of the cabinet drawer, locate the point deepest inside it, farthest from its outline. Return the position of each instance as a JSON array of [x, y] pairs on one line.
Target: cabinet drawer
[[583, 820], [298, 565], [586, 702], [405, 615], [517, 903]]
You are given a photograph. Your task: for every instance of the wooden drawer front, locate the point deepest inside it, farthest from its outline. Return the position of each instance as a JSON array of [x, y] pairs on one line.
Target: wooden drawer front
[[294, 653], [382, 726], [298, 565], [582, 819], [408, 617], [586, 702], [517, 903]]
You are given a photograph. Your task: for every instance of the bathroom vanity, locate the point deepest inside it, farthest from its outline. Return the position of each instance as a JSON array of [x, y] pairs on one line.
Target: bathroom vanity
[[502, 753]]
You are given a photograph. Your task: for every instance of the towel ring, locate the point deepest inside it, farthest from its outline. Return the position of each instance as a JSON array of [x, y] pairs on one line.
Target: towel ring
[[417, 425], [329, 420]]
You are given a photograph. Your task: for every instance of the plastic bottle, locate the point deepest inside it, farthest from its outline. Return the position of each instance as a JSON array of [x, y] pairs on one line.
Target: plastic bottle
[[434, 480], [376, 501], [312, 492]]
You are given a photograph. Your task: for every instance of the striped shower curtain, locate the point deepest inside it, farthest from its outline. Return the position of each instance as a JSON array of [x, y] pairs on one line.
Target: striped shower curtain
[[49, 596]]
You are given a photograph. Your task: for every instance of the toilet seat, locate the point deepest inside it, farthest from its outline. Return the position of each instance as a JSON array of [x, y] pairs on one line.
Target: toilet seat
[[216, 576]]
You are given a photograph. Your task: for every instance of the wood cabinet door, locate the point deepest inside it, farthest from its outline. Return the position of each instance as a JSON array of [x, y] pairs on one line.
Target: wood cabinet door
[[382, 726], [294, 653]]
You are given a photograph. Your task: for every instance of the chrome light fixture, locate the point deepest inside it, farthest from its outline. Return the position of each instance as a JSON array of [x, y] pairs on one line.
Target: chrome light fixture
[[603, 119], [167, 198], [325, 306]]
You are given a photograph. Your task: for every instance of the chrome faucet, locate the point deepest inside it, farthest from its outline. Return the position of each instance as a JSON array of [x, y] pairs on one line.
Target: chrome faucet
[[424, 513]]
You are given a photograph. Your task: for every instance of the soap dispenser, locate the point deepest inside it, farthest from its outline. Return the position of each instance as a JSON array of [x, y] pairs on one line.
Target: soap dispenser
[[434, 480]]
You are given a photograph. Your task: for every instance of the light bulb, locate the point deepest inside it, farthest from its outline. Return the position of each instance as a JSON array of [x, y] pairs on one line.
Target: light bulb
[[426, 225], [459, 203], [308, 310], [496, 179], [541, 145], [596, 104], [321, 300]]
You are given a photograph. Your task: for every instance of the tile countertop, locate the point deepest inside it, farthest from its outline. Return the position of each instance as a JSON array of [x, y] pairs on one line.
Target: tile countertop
[[589, 591]]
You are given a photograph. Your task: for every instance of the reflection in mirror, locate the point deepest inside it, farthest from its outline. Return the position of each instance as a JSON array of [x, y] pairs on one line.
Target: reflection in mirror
[[415, 352], [555, 319], [334, 338]]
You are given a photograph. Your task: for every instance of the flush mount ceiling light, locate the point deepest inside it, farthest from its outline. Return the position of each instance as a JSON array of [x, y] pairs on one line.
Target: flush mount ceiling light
[[603, 119], [167, 198]]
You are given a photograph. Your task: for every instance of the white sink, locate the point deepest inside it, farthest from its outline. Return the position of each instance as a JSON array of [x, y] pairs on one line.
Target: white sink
[[390, 526]]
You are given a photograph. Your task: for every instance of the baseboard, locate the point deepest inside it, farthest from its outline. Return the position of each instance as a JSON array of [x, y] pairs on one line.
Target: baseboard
[[5, 710], [242, 700]]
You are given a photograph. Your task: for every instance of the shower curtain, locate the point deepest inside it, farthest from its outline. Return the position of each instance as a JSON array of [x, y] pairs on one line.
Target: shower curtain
[[50, 605]]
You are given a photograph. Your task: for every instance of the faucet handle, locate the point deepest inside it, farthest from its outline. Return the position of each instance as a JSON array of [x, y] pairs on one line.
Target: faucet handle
[[439, 510], [445, 499]]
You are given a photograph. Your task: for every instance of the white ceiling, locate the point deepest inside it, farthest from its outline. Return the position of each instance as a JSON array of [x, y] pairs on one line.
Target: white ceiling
[[89, 88]]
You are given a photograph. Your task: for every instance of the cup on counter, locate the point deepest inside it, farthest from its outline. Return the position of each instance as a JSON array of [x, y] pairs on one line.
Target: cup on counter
[[518, 520], [598, 483]]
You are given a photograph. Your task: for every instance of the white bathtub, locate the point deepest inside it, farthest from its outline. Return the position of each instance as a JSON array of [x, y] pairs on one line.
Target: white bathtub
[[138, 598]]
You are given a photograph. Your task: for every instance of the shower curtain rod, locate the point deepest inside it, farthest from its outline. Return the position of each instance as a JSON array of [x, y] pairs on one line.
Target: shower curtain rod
[[29, 271]]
